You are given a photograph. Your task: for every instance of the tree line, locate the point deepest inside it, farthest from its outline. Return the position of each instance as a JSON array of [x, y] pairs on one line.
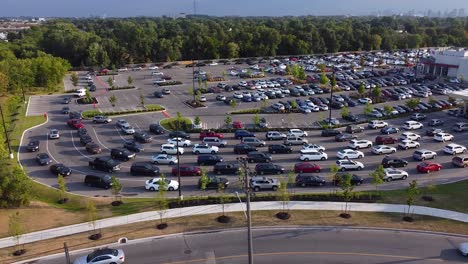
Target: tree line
[[116, 42]]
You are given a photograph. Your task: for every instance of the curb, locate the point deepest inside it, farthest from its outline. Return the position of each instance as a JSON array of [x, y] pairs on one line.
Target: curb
[[258, 228]]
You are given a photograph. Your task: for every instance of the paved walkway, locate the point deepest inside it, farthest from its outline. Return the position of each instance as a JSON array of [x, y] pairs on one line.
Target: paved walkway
[[235, 207]]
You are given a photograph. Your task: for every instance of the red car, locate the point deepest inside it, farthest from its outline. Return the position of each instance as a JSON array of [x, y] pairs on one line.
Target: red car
[[187, 170], [210, 133], [305, 167], [75, 123], [427, 167], [237, 125], [383, 140]]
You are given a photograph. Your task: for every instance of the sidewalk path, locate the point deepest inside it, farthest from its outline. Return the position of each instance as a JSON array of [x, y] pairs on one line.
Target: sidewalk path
[[235, 207]]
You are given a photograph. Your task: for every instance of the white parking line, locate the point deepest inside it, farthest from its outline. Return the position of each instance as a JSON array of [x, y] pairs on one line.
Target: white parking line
[[118, 132], [73, 142], [47, 147], [138, 127], [98, 139]]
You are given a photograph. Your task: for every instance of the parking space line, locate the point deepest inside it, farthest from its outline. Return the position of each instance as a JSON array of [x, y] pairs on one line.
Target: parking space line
[[73, 142], [97, 138], [120, 135], [47, 147]]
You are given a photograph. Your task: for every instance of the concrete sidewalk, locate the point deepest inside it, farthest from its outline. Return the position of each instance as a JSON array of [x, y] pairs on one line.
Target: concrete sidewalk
[[236, 207]]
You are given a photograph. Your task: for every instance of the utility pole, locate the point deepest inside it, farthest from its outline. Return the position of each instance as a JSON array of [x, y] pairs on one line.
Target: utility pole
[[331, 98], [178, 161], [67, 254], [247, 189], [6, 133]]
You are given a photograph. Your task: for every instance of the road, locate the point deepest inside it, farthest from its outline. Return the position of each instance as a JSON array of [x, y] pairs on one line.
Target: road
[[295, 245]]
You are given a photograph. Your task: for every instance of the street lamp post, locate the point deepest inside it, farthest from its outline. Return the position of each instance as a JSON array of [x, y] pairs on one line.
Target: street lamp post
[[331, 98], [243, 163], [178, 161], [6, 133]]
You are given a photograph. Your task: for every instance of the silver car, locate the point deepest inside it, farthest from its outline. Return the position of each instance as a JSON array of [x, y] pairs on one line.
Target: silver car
[[102, 256], [214, 141]]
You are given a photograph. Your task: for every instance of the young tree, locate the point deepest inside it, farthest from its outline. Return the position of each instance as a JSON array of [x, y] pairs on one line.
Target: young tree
[[284, 196], [388, 109], [293, 104], [321, 67], [110, 82], [233, 103], [295, 71], [432, 100], [362, 90], [228, 121], [62, 188], [333, 81], [91, 214], [160, 202], [412, 103], [197, 121], [204, 180], [130, 80], [411, 193], [142, 100], [347, 192], [113, 99], [256, 119], [116, 188], [377, 92], [15, 227], [288, 70], [302, 74], [88, 99], [344, 112], [323, 78], [377, 176], [74, 78], [367, 109], [222, 200], [362, 61], [265, 103], [198, 97]]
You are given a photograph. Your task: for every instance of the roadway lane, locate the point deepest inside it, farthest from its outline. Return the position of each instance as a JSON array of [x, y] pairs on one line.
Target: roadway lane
[[295, 245]]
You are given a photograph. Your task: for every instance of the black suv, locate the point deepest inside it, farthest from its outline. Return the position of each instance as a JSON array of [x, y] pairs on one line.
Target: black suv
[[85, 139], [144, 169], [268, 168], [226, 168], [260, 157], [304, 180], [344, 137], [142, 137], [279, 148], [133, 146], [330, 132], [98, 181], [82, 131], [394, 162], [121, 154], [156, 129], [355, 179], [33, 145], [214, 183], [105, 164], [239, 134], [181, 134], [61, 169], [209, 159], [354, 129], [244, 148], [351, 118]]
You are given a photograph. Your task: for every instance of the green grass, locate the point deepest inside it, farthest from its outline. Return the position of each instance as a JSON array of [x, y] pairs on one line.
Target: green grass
[[246, 111], [148, 108], [170, 123]]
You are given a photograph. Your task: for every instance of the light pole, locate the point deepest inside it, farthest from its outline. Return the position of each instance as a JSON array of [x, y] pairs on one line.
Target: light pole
[[6, 133], [243, 163], [178, 161], [331, 98]]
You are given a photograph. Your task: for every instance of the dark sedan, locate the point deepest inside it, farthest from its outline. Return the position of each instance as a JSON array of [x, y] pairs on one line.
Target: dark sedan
[[33, 145], [142, 137], [268, 168], [344, 137], [133, 146], [214, 182], [304, 180], [93, 148], [144, 169], [279, 148], [330, 132], [187, 170], [355, 179], [60, 169], [389, 130], [43, 159], [244, 148]]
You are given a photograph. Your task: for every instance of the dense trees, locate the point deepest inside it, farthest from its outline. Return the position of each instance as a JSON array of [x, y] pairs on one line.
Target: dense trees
[[115, 42]]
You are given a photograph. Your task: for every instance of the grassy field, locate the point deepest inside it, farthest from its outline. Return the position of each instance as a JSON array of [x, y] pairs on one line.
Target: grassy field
[[260, 218]]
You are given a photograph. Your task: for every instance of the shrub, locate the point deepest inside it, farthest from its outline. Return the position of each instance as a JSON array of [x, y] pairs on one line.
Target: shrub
[[169, 83], [171, 123]]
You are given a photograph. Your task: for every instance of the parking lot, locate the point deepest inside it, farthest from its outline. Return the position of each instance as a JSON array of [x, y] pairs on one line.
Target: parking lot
[[69, 151]]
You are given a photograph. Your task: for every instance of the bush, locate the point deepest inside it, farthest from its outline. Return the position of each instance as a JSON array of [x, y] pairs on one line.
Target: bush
[[171, 123], [121, 88], [247, 111], [148, 108], [169, 83]]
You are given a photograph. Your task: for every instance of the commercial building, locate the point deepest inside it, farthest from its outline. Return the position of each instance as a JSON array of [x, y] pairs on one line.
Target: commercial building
[[447, 62]]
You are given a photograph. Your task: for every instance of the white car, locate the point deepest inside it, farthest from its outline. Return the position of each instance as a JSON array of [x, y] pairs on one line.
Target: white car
[[157, 73], [442, 137], [102, 256], [204, 149], [154, 67], [127, 129], [374, 124], [407, 144], [237, 95], [394, 174], [346, 164], [171, 149], [182, 142], [155, 183], [349, 154], [410, 125], [122, 122], [383, 149], [54, 134], [365, 100], [316, 155], [164, 159], [463, 248], [313, 147], [297, 133], [454, 149], [410, 136], [360, 143], [278, 106]]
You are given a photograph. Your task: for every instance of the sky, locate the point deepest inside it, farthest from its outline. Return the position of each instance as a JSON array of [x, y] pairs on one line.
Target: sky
[[129, 8]]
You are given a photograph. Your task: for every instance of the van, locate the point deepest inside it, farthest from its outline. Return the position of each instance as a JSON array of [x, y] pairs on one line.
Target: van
[[80, 92], [99, 181], [214, 141], [460, 127], [460, 161]]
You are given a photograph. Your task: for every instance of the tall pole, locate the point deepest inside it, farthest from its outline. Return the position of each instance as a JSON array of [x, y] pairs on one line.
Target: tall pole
[[178, 161], [247, 190], [24, 97], [6, 133], [331, 98], [67, 254]]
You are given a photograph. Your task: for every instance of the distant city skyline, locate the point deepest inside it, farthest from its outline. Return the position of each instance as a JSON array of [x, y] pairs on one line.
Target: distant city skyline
[[124, 8]]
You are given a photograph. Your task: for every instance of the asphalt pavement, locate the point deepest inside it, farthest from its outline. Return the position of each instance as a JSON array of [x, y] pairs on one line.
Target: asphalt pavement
[[293, 245]]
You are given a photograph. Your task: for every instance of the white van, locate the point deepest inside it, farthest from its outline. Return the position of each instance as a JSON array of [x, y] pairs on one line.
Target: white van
[[80, 92]]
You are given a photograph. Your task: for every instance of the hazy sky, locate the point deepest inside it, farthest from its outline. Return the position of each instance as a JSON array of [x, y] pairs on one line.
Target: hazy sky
[[125, 8]]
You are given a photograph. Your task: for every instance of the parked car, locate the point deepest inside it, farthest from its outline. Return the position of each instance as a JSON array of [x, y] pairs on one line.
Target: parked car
[[142, 137], [394, 162], [460, 161], [258, 157], [442, 137], [279, 148], [243, 149], [313, 155], [155, 183], [297, 132], [410, 125], [407, 144], [432, 131], [354, 129], [60, 169], [179, 134], [360, 143], [454, 149], [100, 181], [209, 159], [106, 164], [306, 167], [186, 170], [33, 146], [93, 148], [133, 146], [214, 182], [239, 134], [374, 124], [418, 116], [423, 154], [426, 167], [340, 176], [304, 180], [349, 154], [253, 141], [75, 123], [394, 174], [264, 183], [101, 119], [268, 168], [226, 168], [181, 142], [156, 129], [410, 136], [460, 127], [383, 149], [330, 132], [121, 154], [144, 169], [43, 159], [164, 159], [210, 133], [389, 130], [435, 122], [204, 149], [295, 140], [381, 140], [312, 147], [342, 137], [346, 164], [275, 135]]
